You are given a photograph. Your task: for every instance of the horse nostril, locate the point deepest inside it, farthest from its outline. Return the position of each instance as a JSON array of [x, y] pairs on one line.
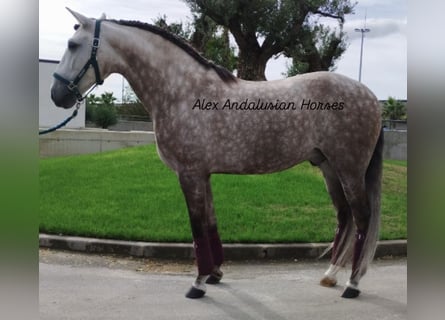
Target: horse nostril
[[55, 98]]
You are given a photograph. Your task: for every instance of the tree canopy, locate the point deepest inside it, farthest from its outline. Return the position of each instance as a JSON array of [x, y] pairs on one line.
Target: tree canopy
[[101, 110], [206, 36], [266, 28], [394, 109]]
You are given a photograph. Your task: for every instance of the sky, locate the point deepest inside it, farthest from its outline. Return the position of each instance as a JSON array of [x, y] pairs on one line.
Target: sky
[[384, 65]]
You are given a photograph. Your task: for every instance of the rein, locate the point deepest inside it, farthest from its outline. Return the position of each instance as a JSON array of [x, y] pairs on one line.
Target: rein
[[63, 123], [72, 85]]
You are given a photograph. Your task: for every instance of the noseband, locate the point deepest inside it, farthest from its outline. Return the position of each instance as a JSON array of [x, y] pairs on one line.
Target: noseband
[[72, 85]]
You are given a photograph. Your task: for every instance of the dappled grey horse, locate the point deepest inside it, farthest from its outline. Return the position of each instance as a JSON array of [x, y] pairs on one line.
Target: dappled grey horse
[[207, 121]]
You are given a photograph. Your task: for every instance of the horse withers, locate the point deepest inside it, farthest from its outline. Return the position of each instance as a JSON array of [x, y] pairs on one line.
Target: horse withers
[[207, 121]]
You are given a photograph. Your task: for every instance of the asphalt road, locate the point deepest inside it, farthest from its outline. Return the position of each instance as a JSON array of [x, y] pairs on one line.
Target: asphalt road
[[85, 286]]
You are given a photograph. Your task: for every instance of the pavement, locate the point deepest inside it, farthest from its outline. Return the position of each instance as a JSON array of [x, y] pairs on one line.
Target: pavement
[[96, 286]]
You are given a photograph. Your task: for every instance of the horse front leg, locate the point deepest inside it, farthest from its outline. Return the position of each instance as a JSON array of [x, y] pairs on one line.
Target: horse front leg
[[194, 189], [217, 255], [215, 241]]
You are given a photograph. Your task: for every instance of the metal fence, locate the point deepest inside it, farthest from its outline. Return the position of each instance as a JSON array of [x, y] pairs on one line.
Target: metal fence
[[395, 124]]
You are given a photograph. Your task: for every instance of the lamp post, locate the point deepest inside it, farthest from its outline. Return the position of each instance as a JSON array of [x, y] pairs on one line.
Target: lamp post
[[123, 90], [363, 31]]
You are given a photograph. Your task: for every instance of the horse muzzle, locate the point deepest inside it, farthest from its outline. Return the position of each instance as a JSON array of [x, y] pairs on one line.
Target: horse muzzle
[[62, 96]]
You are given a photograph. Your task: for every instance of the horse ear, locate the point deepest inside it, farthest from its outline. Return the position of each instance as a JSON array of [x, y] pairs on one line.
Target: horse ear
[[103, 16], [81, 18]]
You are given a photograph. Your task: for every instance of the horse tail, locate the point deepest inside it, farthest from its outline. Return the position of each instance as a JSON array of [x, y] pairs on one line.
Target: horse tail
[[373, 181]]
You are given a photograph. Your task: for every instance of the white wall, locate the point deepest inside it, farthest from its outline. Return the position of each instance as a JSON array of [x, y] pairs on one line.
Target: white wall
[[49, 114], [66, 142]]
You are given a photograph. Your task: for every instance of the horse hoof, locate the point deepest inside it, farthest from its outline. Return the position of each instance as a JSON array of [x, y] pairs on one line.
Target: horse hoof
[[350, 293], [195, 293], [215, 277], [328, 282]]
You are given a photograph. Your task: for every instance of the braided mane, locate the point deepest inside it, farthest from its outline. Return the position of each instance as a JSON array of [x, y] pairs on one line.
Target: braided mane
[[223, 73]]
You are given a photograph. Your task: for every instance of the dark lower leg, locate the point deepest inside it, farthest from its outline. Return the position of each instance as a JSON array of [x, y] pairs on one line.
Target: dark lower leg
[[344, 216], [194, 189], [361, 215], [339, 242], [217, 254], [330, 279], [352, 290], [203, 254], [216, 247], [204, 263], [360, 238], [342, 246]]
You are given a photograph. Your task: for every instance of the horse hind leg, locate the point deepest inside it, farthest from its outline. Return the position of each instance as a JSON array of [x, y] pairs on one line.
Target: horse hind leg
[[363, 193], [349, 197], [343, 240], [361, 213], [366, 218]]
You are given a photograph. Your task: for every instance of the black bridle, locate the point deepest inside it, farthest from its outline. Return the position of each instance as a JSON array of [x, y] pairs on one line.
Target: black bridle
[[72, 85]]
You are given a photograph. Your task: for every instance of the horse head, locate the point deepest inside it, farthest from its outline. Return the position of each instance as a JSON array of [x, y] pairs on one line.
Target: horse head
[[79, 68]]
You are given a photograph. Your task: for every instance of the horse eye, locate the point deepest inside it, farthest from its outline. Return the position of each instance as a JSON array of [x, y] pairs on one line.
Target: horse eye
[[76, 26]]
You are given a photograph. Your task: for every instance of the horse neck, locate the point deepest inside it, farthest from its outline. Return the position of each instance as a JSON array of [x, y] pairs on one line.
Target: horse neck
[[158, 71]]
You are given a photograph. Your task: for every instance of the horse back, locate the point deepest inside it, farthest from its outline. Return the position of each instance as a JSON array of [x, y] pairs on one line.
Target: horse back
[[258, 127]]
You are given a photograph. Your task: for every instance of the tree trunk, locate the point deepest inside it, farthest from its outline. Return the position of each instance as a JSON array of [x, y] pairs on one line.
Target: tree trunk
[[315, 63], [251, 65]]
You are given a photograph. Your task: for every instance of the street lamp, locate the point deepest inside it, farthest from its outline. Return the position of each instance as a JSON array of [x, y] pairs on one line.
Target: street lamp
[[123, 90], [363, 31]]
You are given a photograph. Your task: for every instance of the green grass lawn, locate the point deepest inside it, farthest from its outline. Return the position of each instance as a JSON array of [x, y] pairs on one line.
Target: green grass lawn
[[130, 194]]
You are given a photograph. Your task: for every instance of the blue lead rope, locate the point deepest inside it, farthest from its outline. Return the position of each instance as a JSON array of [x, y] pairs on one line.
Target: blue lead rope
[[63, 123]]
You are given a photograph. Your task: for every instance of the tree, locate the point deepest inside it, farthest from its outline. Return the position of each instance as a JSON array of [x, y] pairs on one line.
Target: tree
[[131, 107], [175, 27], [322, 48], [101, 110], [266, 28], [206, 37], [393, 109], [91, 102], [108, 99]]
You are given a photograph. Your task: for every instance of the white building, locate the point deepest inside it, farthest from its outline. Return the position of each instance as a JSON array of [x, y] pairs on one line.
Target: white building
[[49, 114]]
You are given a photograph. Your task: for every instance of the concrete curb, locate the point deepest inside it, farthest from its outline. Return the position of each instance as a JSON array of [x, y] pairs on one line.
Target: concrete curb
[[185, 250]]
